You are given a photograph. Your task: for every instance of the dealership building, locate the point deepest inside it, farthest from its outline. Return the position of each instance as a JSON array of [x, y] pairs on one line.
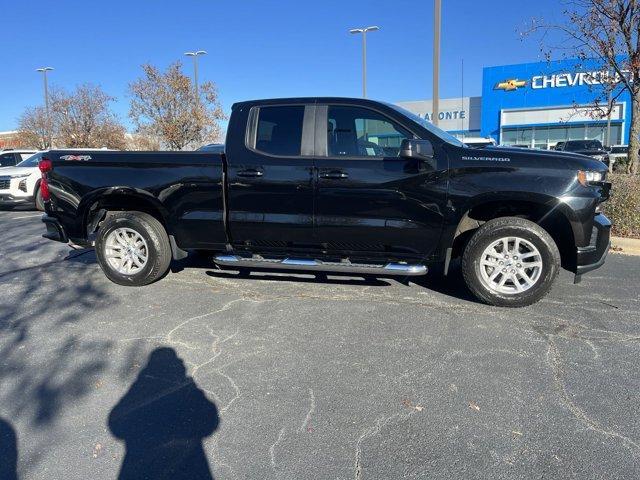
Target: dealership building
[[535, 105]]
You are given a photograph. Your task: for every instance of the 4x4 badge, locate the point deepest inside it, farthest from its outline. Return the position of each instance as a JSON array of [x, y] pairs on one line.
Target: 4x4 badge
[[76, 158]]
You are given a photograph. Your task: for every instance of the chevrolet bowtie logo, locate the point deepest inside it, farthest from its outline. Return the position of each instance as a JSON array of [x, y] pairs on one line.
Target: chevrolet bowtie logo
[[509, 85]]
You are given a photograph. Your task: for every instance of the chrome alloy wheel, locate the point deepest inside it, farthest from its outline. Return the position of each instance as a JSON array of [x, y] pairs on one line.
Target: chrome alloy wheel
[[511, 265], [126, 251]]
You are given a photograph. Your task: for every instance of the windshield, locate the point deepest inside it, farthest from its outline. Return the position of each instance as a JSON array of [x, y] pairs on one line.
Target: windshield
[[447, 137], [583, 145], [32, 161]]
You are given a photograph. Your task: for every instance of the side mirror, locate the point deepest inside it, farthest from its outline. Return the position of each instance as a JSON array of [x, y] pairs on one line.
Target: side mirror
[[416, 149]]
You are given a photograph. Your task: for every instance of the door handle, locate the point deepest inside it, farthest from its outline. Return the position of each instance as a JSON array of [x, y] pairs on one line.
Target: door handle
[[250, 172], [334, 175]]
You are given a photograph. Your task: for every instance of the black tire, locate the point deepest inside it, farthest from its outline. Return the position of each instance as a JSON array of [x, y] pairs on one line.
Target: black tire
[[154, 234], [499, 228], [38, 200]]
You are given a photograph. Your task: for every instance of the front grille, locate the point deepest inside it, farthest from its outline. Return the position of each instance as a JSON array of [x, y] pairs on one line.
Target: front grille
[[5, 183]]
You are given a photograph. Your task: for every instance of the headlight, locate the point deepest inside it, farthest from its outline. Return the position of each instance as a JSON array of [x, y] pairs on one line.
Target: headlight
[[589, 177]]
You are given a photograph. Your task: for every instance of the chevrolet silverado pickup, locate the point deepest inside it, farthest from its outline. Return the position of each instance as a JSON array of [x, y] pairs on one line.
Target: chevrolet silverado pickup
[[336, 185]]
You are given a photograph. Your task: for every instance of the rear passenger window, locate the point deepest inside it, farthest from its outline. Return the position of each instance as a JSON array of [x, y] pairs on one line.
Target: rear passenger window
[[279, 130]]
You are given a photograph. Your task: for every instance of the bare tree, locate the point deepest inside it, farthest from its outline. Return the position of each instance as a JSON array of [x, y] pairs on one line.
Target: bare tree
[[33, 128], [163, 106], [608, 31], [83, 119]]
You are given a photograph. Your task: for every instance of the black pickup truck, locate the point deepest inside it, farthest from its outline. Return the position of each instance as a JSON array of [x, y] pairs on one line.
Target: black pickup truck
[[336, 185]]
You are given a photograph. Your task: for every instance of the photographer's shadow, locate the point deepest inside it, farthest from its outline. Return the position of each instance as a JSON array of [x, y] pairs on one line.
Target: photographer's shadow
[[8, 451], [163, 419]]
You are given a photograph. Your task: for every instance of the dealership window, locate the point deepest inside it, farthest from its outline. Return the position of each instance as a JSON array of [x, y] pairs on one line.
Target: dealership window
[[546, 137]]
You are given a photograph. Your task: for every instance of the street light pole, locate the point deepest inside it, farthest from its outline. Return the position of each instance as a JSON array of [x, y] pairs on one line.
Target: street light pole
[[195, 71], [364, 31], [437, 14], [44, 71]]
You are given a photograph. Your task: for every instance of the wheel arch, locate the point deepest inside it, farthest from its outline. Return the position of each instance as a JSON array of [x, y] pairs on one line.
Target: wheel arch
[[94, 208], [548, 212]]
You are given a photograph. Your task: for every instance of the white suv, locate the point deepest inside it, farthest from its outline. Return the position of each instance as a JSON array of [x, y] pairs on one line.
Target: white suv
[[20, 184]]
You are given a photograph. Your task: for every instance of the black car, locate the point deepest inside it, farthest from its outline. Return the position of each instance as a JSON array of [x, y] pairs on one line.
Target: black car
[[590, 148], [337, 185]]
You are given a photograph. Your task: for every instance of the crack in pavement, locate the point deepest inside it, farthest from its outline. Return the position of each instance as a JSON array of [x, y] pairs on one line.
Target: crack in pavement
[[554, 360], [312, 409], [272, 448], [370, 432]]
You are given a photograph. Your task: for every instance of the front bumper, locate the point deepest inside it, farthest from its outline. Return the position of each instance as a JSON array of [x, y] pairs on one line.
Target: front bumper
[[55, 231], [593, 256], [9, 199]]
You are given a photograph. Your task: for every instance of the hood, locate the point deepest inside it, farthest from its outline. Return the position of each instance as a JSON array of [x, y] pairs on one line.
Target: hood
[[17, 171], [551, 158]]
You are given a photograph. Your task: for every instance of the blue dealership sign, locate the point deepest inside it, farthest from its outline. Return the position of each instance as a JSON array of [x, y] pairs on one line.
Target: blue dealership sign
[[543, 85]]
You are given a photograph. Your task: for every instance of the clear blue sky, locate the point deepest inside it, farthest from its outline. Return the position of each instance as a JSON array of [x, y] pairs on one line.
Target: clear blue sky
[[258, 48]]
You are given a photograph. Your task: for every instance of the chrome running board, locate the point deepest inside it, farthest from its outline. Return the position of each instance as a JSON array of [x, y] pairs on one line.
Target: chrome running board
[[401, 269]]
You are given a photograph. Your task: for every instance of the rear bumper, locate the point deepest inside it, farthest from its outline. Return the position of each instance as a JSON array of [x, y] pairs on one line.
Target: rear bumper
[[55, 231], [593, 256]]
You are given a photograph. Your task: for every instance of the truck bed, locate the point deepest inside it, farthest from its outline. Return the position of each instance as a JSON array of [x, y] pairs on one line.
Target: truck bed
[[186, 186]]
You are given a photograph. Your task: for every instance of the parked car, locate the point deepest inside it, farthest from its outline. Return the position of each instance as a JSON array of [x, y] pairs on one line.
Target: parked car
[[212, 148], [479, 142], [590, 148], [20, 184], [305, 184], [11, 157]]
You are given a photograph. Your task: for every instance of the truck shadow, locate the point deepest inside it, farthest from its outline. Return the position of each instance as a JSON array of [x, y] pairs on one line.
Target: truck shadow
[[300, 277], [451, 285], [163, 419]]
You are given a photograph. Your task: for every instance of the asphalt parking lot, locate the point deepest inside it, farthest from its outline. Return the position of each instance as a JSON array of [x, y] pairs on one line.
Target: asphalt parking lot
[[291, 377]]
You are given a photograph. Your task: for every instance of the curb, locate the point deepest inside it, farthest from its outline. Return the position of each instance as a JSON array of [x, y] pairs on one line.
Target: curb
[[630, 246]]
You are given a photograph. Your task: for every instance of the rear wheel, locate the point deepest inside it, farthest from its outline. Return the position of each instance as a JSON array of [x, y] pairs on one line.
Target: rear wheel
[[133, 248], [510, 262]]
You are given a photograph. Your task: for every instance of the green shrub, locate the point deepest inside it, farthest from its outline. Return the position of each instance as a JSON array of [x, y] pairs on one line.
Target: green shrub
[[623, 208]]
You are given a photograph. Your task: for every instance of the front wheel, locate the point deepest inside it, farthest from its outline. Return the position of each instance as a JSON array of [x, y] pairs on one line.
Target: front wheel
[[133, 248], [510, 262]]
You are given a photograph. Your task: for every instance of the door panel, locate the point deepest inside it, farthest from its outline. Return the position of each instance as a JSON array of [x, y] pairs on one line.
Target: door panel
[[370, 199], [271, 181]]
